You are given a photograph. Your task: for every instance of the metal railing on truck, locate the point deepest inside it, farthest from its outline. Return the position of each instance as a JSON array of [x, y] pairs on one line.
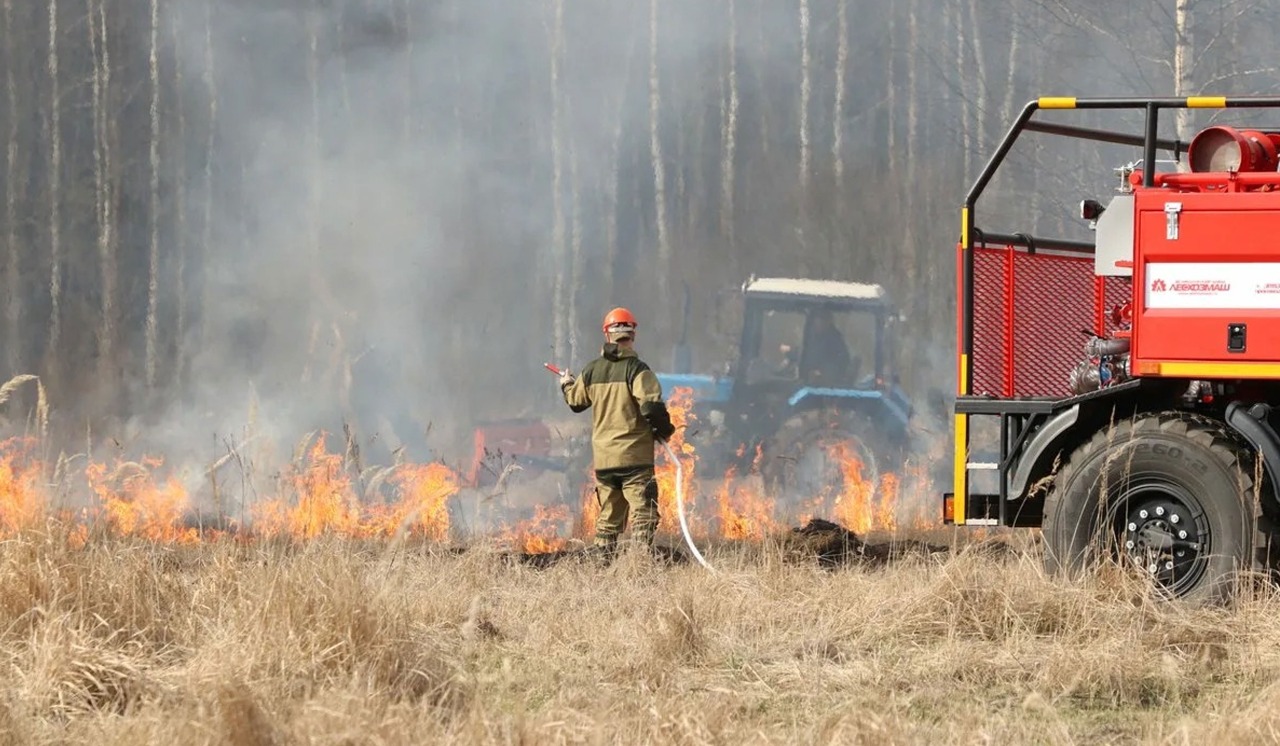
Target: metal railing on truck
[[1041, 293]]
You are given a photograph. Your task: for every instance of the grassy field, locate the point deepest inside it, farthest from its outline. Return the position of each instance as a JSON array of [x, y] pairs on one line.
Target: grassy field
[[344, 641]]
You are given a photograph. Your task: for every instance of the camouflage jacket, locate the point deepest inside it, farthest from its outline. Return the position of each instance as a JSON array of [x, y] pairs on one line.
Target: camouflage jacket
[[627, 408]]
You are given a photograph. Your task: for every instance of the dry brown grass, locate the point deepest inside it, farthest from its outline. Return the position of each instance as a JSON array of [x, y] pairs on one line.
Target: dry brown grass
[[344, 642]]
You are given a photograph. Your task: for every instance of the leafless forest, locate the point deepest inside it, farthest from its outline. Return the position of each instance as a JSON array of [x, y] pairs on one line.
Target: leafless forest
[[391, 212]]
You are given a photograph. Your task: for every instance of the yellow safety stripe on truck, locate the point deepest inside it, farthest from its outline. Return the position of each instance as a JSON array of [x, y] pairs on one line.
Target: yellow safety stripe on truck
[[1206, 102], [1208, 371], [1056, 102], [960, 475]]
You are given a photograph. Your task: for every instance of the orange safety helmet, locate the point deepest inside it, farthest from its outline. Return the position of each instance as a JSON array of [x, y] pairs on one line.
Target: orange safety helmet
[[619, 317]]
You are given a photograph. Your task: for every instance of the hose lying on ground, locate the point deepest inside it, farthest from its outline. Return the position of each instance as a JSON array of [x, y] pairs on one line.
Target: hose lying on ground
[[684, 524]]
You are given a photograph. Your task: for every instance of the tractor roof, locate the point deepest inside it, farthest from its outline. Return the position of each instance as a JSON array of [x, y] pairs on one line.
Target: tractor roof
[[787, 288]]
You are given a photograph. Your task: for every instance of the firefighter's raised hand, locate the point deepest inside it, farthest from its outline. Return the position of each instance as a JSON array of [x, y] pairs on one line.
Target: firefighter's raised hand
[[566, 379]]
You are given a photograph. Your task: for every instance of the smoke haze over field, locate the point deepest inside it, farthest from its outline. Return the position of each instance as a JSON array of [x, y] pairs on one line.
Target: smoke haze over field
[[391, 212]]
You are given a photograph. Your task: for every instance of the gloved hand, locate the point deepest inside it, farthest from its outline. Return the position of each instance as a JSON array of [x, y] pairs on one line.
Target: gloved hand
[[566, 379]]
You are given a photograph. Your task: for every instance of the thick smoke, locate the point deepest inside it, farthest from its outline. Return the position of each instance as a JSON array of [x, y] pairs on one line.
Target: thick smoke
[[382, 256]]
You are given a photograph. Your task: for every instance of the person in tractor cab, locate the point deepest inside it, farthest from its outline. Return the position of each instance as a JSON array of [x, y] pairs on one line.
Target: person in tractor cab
[[825, 359], [628, 417]]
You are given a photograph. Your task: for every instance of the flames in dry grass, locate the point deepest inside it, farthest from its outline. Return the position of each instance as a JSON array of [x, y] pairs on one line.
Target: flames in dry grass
[[541, 533], [321, 498], [321, 494], [742, 509], [680, 405], [22, 502], [135, 503]]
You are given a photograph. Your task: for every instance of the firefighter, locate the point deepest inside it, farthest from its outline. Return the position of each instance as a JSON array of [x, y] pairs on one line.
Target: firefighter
[[628, 417]]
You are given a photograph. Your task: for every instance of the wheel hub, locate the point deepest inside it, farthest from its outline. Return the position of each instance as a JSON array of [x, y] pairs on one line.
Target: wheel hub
[[820, 470], [1164, 534]]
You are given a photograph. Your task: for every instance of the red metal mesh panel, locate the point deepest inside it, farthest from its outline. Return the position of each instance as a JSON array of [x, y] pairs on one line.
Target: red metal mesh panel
[[1054, 302], [990, 330], [1030, 315]]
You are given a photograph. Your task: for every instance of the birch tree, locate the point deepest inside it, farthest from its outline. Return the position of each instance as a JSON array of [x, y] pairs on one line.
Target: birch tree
[[561, 322], [99, 47], [153, 217], [206, 221], [729, 135], [655, 150], [955, 19], [12, 304], [891, 93], [805, 90], [837, 110], [180, 199], [55, 191], [1182, 66], [611, 206]]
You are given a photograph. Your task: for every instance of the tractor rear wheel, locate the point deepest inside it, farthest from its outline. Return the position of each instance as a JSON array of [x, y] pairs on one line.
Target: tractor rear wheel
[[1170, 494], [815, 458]]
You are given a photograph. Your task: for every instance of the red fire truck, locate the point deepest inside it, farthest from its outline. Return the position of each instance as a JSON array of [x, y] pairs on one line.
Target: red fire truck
[[1151, 437]]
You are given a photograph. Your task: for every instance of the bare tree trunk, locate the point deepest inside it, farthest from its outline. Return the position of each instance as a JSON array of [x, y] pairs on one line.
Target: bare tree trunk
[[615, 177], [955, 19], [837, 113], [319, 293], [1015, 36], [104, 185], [729, 135], [890, 95], [55, 192], [913, 119], [655, 148], [805, 85], [12, 306], [153, 275], [561, 341], [575, 240], [980, 68], [206, 225], [180, 204], [909, 270], [1183, 68], [762, 44]]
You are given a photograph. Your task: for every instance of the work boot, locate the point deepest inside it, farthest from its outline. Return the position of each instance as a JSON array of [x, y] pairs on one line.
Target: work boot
[[602, 552]]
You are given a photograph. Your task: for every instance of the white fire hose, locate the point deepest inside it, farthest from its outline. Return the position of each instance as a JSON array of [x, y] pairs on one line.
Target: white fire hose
[[684, 523]]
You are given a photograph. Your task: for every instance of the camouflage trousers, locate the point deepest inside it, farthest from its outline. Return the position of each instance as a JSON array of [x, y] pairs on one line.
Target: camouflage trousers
[[626, 490]]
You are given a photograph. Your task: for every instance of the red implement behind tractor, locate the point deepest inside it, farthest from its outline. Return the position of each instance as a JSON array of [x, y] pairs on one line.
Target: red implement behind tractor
[[529, 446], [1152, 439]]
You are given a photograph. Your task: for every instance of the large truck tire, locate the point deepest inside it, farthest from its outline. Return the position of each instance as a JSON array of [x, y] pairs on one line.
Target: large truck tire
[[801, 467], [1170, 493]]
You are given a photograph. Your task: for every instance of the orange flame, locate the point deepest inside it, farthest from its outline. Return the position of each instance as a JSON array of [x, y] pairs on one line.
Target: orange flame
[[136, 505], [586, 525], [321, 494], [680, 406], [540, 534], [423, 507], [22, 504], [326, 502]]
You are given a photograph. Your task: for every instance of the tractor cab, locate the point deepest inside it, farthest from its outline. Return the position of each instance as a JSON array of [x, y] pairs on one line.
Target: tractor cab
[[809, 351]]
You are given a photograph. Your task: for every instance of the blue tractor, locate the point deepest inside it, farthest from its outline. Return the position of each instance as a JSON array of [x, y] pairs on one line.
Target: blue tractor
[[814, 381]]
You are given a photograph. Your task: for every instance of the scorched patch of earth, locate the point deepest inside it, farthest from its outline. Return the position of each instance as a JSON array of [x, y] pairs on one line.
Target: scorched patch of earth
[[827, 543]]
